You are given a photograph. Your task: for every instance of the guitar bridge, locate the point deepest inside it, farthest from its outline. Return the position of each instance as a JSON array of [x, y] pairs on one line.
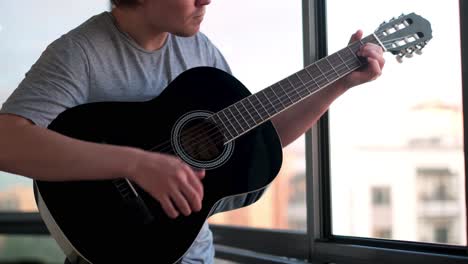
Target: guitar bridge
[[134, 201]]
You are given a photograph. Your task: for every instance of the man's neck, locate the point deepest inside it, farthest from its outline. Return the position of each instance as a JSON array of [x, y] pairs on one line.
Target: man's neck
[[129, 21]]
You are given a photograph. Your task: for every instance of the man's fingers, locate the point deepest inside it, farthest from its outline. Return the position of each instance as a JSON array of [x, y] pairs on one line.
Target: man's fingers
[[356, 36], [181, 203], [168, 207], [192, 196], [371, 49], [374, 68], [200, 174], [197, 185]]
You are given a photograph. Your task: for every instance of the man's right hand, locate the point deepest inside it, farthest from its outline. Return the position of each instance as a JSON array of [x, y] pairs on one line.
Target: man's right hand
[[171, 181], [56, 157]]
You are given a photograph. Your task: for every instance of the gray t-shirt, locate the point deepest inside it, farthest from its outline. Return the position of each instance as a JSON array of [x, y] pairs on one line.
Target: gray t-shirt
[[98, 62]]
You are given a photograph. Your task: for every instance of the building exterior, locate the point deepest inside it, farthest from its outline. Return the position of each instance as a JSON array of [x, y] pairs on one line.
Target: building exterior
[[412, 191]]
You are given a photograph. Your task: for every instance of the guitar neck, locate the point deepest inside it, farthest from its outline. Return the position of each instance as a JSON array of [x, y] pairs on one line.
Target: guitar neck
[[250, 112]]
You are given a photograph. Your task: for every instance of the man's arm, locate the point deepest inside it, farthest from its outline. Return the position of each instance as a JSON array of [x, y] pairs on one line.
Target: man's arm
[[42, 154], [297, 119]]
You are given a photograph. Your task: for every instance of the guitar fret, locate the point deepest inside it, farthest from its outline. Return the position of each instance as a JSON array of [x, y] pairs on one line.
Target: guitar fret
[[298, 85], [233, 128], [286, 96], [333, 67], [244, 115], [304, 89], [242, 128], [305, 77], [335, 59], [280, 97], [259, 110], [342, 60], [327, 70], [223, 125], [319, 78], [352, 61], [321, 72], [255, 112], [274, 99], [273, 109], [289, 88], [249, 112], [342, 69], [362, 43], [353, 51]]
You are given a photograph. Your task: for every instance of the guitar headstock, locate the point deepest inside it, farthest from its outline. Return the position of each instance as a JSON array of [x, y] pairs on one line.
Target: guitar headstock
[[405, 35]]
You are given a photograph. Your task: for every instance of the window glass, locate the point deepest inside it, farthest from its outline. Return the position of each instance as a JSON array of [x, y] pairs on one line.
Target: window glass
[[262, 42], [26, 28], [396, 144], [268, 51], [29, 249]]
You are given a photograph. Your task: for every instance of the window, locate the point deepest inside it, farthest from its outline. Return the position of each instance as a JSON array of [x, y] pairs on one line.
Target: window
[[441, 235], [26, 27], [403, 131], [29, 249], [266, 53], [356, 188], [437, 184], [383, 233], [381, 196], [334, 234]]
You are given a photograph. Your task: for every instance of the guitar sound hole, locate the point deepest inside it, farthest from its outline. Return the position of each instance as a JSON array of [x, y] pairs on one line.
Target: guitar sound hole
[[201, 140]]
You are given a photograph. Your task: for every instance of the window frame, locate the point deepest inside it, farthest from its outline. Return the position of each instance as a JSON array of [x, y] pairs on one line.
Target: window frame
[[332, 248], [318, 244]]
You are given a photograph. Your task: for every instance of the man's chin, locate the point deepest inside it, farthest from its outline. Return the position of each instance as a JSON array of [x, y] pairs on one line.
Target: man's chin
[[187, 34]]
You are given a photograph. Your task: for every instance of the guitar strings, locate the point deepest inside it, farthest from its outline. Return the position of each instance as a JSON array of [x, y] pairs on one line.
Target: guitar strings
[[236, 116], [200, 136], [274, 103]]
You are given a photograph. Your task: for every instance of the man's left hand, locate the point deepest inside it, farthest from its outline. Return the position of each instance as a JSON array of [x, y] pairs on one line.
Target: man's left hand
[[369, 72]]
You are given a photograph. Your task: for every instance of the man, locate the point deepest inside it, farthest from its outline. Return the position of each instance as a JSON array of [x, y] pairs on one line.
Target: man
[[131, 54]]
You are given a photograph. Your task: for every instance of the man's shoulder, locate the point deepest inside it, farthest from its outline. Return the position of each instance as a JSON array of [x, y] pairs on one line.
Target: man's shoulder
[[93, 36], [92, 30]]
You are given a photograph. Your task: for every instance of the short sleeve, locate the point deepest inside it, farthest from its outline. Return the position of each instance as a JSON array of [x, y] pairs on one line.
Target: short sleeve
[[58, 80], [217, 58]]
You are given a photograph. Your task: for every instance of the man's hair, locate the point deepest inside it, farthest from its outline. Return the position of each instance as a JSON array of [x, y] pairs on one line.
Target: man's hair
[[124, 2]]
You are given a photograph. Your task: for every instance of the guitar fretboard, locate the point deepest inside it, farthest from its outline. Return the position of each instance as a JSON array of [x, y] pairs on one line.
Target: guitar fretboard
[[257, 108]]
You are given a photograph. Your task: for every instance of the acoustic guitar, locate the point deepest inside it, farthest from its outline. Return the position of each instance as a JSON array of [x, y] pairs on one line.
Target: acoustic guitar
[[217, 125]]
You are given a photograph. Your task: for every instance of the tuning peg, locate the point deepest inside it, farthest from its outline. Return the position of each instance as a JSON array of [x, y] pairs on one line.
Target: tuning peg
[[409, 52], [419, 51], [399, 58]]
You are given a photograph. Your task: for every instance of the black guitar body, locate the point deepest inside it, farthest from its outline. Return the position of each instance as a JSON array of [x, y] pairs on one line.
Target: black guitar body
[[100, 221]]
